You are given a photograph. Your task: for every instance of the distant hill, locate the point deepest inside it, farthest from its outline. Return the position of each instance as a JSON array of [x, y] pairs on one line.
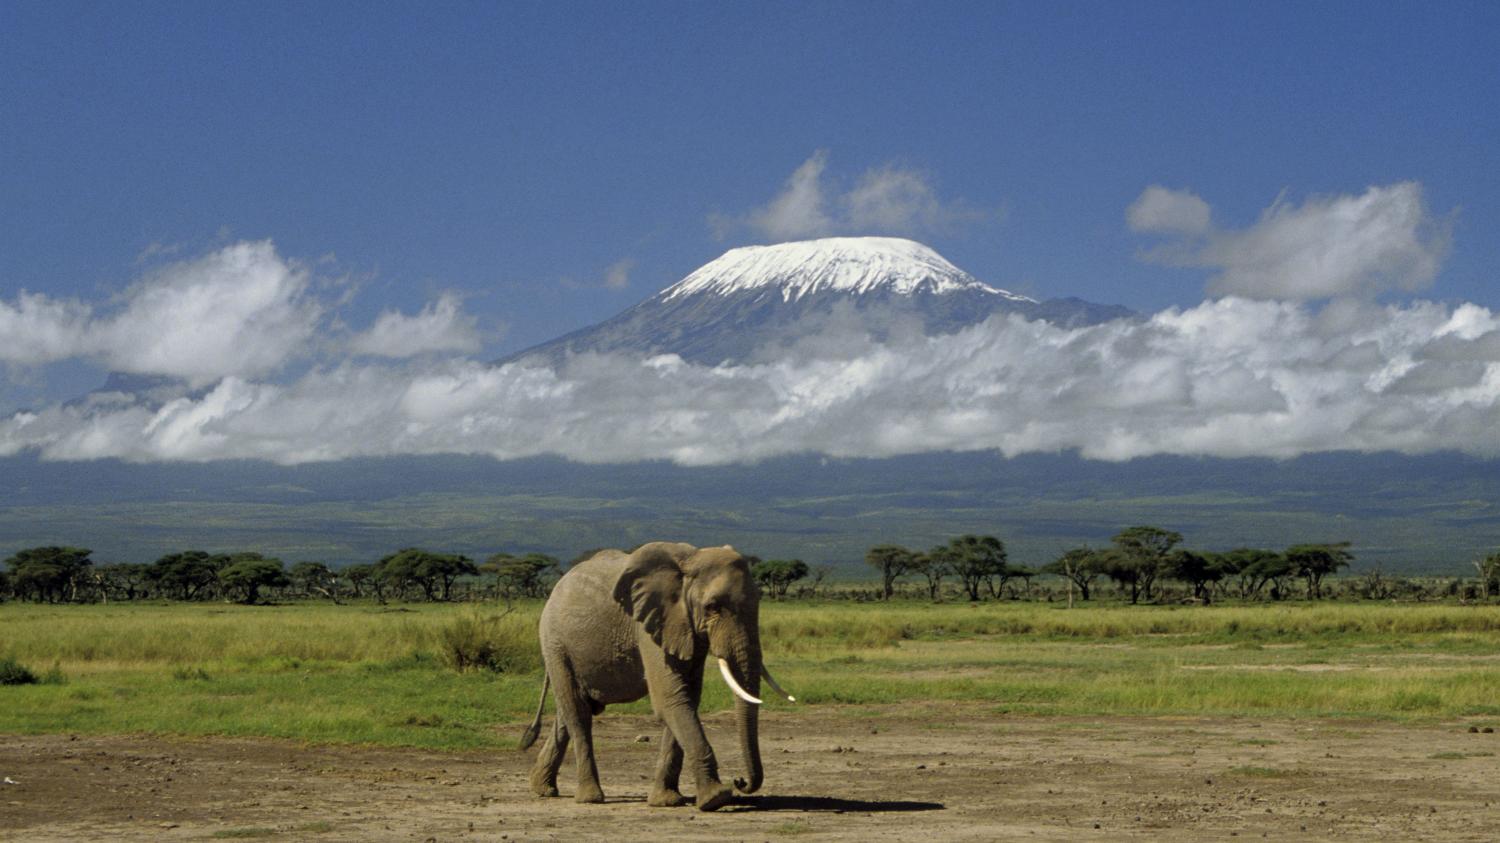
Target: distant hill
[[1404, 514]]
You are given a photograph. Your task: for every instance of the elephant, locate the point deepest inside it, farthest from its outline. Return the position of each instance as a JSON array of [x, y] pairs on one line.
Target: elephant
[[619, 626]]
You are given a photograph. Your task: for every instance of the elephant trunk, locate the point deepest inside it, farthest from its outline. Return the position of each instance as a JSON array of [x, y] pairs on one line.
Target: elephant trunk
[[747, 715]]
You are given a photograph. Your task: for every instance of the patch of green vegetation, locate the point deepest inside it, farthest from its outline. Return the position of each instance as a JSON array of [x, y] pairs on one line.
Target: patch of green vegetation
[[363, 674], [242, 833], [1459, 756], [13, 672], [792, 828]]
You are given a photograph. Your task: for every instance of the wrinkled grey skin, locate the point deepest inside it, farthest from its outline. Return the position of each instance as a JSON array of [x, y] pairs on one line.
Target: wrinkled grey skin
[[620, 626]]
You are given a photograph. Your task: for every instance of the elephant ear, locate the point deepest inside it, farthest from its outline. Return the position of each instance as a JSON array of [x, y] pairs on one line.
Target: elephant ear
[[650, 589]]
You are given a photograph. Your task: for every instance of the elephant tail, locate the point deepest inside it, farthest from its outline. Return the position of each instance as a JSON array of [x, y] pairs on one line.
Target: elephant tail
[[529, 736]]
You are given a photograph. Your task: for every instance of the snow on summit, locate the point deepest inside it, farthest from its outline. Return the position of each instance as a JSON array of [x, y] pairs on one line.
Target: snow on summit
[[845, 264]]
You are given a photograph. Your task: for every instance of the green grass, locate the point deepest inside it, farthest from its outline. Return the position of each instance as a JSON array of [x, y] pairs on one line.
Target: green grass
[[370, 674]]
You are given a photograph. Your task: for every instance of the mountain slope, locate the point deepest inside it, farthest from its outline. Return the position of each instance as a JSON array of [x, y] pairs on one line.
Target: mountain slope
[[751, 301]]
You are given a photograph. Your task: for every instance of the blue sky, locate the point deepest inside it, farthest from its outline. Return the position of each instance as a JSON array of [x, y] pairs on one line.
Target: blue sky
[[546, 165]]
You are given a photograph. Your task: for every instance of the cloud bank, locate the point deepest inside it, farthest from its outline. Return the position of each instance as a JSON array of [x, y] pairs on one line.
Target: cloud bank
[[243, 311], [883, 200], [240, 311], [441, 326], [1228, 378], [1383, 239], [1263, 370]]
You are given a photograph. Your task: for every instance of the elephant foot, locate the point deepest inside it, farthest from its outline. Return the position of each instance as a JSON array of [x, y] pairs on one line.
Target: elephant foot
[[664, 798], [589, 794], [714, 797], [542, 787]]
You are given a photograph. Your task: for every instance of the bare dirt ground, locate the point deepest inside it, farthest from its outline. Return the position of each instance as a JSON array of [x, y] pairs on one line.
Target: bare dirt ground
[[862, 774]]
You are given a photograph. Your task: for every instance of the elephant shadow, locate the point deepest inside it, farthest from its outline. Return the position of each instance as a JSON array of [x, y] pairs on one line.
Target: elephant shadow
[[829, 804]]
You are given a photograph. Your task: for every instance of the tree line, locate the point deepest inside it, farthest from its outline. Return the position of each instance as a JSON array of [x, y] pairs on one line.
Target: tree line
[[58, 574], [1136, 561]]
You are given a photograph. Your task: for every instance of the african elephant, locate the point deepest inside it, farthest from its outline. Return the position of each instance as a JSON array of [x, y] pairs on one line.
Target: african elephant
[[619, 626]]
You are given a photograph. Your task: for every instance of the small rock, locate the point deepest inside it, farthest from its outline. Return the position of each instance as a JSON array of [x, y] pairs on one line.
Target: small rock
[[1473, 730], [643, 739], [1488, 730], [168, 825]]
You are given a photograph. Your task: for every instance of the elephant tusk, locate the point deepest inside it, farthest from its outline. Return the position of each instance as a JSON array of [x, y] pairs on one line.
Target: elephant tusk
[[766, 675], [733, 685]]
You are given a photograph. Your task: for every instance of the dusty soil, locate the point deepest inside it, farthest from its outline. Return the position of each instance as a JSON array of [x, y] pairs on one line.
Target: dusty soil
[[952, 773]]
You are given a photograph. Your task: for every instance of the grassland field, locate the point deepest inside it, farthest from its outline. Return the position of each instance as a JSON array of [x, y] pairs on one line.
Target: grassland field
[[385, 675]]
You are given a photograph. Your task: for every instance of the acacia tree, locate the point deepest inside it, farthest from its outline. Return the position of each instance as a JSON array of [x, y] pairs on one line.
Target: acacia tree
[[1253, 568], [777, 575], [977, 560], [130, 580], [1313, 562], [522, 576], [934, 565], [189, 574], [1080, 566], [49, 573], [434, 573], [1122, 570], [892, 561], [360, 576], [1145, 548], [1200, 570], [251, 572], [315, 577]]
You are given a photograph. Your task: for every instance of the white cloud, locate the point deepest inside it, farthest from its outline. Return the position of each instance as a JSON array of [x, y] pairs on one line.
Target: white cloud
[[36, 329], [617, 276], [242, 311], [1382, 239], [441, 326], [1228, 378], [883, 200], [798, 211], [1162, 211]]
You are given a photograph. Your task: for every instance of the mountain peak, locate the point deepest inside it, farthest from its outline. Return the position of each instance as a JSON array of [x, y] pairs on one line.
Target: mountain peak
[[843, 264]]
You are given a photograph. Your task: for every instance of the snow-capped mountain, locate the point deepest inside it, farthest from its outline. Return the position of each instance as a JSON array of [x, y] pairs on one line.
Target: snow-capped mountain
[[751, 301], [836, 264]]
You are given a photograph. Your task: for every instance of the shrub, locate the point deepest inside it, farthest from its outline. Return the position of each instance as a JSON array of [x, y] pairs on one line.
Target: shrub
[[503, 643], [13, 672]]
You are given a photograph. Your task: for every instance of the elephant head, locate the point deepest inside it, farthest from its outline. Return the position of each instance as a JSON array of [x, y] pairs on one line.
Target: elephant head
[[696, 603]]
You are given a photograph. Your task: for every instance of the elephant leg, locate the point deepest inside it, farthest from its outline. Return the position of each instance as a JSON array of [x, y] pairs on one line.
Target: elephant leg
[[677, 704], [664, 793], [549, 761], [577, 716]]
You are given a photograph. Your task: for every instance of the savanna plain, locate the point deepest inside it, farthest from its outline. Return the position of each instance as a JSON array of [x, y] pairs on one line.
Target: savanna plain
[[955, 721]]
